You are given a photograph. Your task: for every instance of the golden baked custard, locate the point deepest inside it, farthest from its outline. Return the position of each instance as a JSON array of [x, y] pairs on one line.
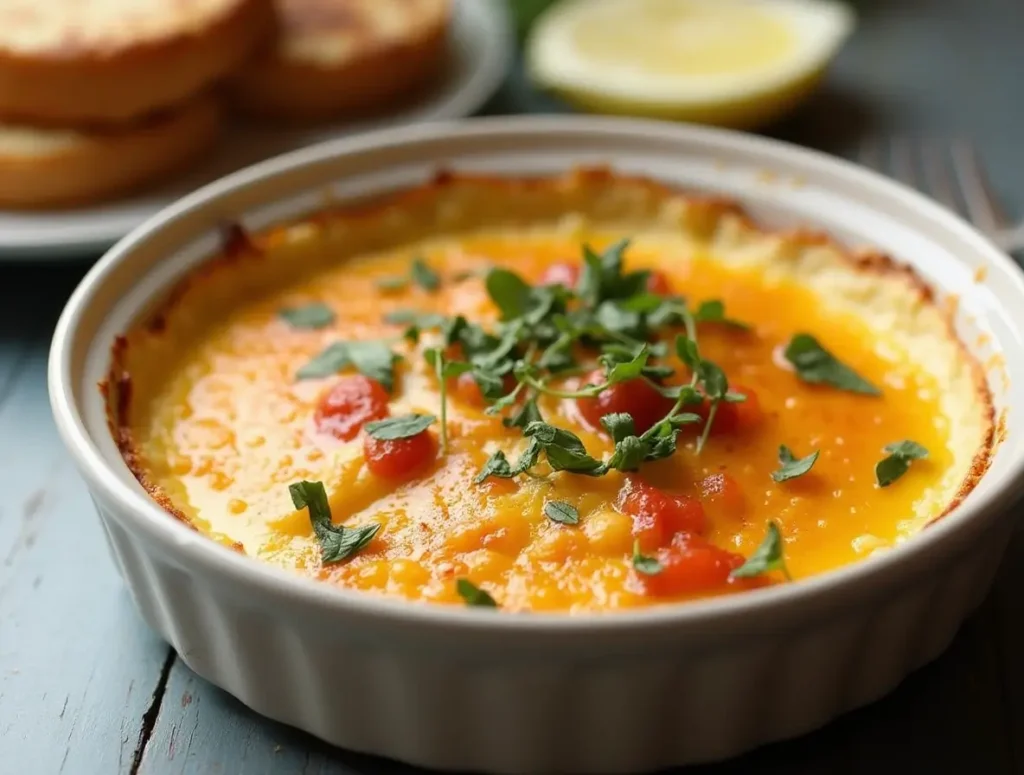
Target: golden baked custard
[[587, 393]]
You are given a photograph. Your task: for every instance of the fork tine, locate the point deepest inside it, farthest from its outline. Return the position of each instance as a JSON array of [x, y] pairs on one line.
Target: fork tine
[[938, 171], [978, 195]]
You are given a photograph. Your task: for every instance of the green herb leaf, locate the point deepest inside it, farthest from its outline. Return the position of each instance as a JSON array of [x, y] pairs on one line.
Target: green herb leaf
[[509, 292], [815, 364], [649, 566], [402, 427], [563, 449], [310, 316], [473, 595], [767, 557], [425, 277], [619, 425], [337, 542], [372, 358], [410, 317], [713, 311], [602, 278], [393, 283], [527, 414], [619, 371], [562, 512], [791, 467], [893, 466], [628, 454]]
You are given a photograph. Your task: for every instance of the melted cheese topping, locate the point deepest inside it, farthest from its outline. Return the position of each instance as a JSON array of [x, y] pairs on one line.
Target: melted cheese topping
[[223, 428]]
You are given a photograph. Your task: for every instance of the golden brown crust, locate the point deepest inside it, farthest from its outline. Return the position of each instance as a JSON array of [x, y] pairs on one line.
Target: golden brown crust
[[45, 168], [343, 59], [703, 215], [60, 80]]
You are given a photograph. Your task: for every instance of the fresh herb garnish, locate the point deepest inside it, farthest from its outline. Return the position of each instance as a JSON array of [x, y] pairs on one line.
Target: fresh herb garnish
[[337, 542], [766, 558], [896, 463], [403, 427], [713, 311], [473, 595], [370, 358], [420, 273], [443, 370], [562, 512], [815, 364], [311, 316], [649, 566], [790, 466], [425, 277]]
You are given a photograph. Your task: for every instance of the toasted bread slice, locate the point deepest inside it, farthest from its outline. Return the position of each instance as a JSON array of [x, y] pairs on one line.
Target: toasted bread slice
[[67, 62], [344, 57], [48, 167]]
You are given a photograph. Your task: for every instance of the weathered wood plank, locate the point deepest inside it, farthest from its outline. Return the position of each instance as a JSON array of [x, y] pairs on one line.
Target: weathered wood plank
[[77, 667]]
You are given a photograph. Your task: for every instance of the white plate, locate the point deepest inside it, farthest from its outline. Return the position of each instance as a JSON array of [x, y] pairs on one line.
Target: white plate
[[479, 56]]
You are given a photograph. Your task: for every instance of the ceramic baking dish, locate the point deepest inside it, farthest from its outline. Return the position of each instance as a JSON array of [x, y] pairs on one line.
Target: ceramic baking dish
[[469, 689]]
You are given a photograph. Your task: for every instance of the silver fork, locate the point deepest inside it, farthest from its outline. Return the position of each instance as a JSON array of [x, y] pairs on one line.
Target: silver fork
[[951, 173]]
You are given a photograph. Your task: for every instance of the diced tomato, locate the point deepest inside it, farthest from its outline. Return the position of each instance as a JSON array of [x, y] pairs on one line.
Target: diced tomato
[[352, 402], [657, 283], [562, 273], [734, 417], [399, 458], [723, 497], [690, 565], [635, 396], [658, 515], [467, 390]]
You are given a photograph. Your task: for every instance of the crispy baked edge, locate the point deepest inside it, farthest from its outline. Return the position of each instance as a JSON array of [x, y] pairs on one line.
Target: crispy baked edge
[[239, 246]]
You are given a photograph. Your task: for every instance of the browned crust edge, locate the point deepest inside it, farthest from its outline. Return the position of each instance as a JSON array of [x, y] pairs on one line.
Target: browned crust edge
[[242, 246], [94, 88]]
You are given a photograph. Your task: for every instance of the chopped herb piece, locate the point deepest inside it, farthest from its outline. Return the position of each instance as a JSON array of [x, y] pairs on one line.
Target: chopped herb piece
[[371, 358], [713, 311], [897, 462], [393, 283], [527, 414], [562, 512], [815, 364], [790, 466], [337, 542], [767, 557], [619, 425], [509, 292], [310, 316], [402, 427], [410, 317], [473, 595], [444, 369], [649, 566], [425, 277], [563, 449]]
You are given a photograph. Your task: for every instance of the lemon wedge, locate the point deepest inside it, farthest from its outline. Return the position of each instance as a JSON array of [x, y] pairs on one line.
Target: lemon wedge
[[737, 63]]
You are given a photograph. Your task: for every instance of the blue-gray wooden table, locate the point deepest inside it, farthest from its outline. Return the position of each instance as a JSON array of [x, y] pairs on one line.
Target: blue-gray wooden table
[[86, 688]]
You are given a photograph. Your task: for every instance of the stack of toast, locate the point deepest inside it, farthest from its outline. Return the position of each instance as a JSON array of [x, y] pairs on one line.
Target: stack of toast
[[102, 97]]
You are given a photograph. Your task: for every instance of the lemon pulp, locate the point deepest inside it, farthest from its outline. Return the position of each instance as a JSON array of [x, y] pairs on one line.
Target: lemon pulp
[[676, 37]]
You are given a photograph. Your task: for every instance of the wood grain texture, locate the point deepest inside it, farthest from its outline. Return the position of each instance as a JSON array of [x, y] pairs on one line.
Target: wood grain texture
[[86, 688]]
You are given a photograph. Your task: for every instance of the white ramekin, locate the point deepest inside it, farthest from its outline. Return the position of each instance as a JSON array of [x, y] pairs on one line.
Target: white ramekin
[[467, 689]]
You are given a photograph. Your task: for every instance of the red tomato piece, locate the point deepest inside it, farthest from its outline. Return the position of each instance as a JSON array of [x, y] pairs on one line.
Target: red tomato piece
[[467, 390], [723, 497], [635, 397], [399, 458], [352, 402], [562, 273], [738, 417], [657, 283], [658, 515], [689, 566]]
